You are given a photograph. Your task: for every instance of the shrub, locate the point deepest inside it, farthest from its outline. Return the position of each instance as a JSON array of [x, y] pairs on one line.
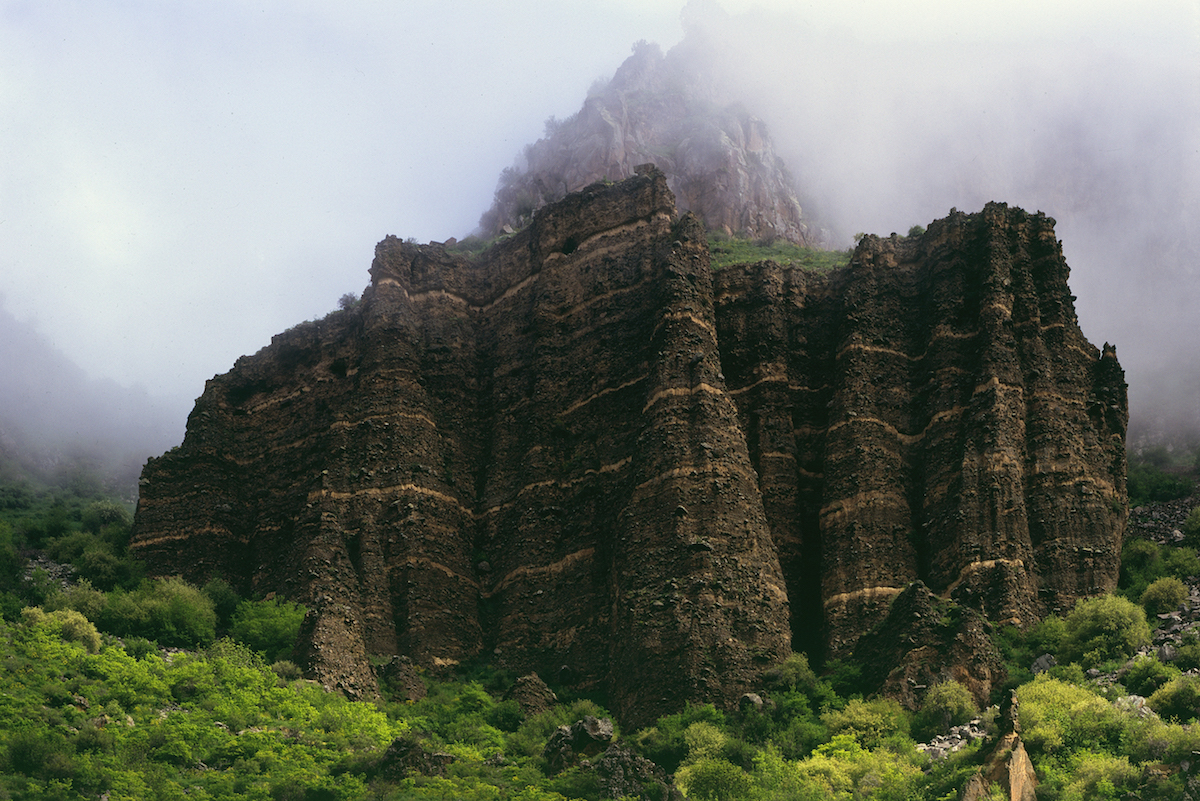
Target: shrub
[[67, 624], [82, 597], [792, 673], [170, 611], [1149, 482], [1178, 699], [39, 752], [102, 513], [1181, 562], [704, 741], [1101, 776], [1057, 716], [945, 705], [138, 647], [224, 598], [1147, 674], [869, 722], [665, 743], [1103, 628], [1163, 595], [714, 779], [1191, 526], [268, 626], [287, 670]]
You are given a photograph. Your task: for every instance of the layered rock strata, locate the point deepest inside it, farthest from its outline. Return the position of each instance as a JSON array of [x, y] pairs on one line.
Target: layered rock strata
[[932, 412], [586, 454]]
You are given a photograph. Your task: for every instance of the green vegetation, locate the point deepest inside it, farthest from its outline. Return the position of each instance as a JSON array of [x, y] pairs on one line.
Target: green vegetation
[[1157, 474], [92, 703], [1102, 629], [726, 251]]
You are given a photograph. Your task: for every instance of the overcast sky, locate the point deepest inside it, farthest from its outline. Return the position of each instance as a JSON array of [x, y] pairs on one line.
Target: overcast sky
[[181, 180]]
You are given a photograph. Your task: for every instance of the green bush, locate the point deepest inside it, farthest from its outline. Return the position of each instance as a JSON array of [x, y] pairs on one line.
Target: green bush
[[1191, 526], [98, 514], [82, 597], [1148, 482], [1104, 628], [268, 626], [1099, 777], [704, 741], [665, 742], [1163, 595], [169, 611], [871, 722], [945, 705], [714, 779], [792, 673], [65, 623], [1059, 717], [1178, 699], [1147, 674], [225, 599]]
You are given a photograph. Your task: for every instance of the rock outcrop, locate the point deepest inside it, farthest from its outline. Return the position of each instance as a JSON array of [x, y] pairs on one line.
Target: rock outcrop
[[584, 453], [719, 159]]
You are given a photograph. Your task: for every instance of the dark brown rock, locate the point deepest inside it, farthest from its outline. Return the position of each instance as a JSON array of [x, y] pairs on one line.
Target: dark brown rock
[[583, 738], [532, 695], [585, 454], [622, 773], [406, 755], [932, 412], [402, 679], [924, 641]]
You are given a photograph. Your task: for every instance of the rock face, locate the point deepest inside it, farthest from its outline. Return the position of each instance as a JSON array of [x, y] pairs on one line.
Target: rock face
[[586, 454], [924, 641], [719, 160]]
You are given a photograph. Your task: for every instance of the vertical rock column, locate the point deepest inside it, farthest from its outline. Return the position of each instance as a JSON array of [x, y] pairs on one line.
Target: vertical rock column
[[699, 605], [867, 526]]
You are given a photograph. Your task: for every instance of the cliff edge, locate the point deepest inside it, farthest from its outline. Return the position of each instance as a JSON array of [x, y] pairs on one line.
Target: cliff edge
[[587, 454]]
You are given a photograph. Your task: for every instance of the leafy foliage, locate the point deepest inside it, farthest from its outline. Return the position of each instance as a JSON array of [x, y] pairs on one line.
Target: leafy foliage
[[945, 705], [1103, 628], [1148, 481], [269, 626], [169, 611], [1163, 595]]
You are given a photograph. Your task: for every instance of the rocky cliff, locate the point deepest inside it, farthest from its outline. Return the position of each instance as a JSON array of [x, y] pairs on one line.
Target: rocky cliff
[[585, 453], [718, 159]]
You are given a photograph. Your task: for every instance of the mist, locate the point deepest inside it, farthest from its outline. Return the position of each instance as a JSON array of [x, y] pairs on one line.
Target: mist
[[181, 182], [1094, 121]]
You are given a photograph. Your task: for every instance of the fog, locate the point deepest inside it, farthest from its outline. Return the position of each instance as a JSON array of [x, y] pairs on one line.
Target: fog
[[1092, 117], [181, 181]]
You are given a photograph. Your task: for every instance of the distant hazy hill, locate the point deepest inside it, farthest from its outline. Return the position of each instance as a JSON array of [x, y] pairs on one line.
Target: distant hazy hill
[[59, 424]]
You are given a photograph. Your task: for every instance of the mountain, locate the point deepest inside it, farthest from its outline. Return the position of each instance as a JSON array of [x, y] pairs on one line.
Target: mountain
[[584, 452], [719, 159]]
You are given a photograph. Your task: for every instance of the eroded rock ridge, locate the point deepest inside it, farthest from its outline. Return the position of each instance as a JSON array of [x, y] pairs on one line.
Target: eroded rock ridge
[[585, 453]]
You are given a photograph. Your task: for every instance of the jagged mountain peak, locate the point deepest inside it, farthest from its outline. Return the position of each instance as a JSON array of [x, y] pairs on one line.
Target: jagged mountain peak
[[719, 159]]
